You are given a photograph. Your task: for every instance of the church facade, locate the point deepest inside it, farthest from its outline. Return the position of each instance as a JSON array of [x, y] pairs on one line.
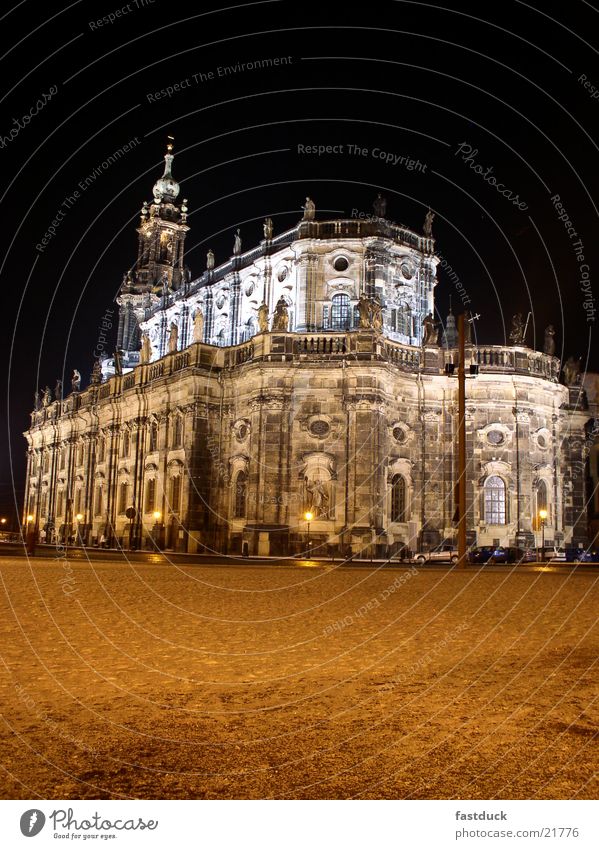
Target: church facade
[[297, 394]]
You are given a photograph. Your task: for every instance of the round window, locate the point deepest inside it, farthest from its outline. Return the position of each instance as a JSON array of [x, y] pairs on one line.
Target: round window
[[282, 275], [542, 441], [319, 428], [242, 432], [399, 434], [495, 437], [341, 264], [407, 269]]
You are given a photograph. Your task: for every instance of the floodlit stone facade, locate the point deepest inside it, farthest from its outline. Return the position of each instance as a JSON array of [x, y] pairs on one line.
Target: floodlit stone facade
[[297, 378]]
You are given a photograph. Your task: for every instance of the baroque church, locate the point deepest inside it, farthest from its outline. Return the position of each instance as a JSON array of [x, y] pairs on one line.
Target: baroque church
[[297, 396]]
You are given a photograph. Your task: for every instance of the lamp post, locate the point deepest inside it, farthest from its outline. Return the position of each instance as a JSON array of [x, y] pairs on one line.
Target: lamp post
[[79, 518], [157, 529], [30, 535], [543, 518], [308, 516]]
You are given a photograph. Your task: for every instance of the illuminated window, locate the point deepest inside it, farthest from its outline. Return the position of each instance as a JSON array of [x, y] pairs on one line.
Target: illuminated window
[[340, 312], [541, 504], [495, 501], [398, 499]]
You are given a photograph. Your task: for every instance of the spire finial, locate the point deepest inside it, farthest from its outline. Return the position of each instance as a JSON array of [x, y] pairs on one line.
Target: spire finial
[[170, 143], [450, 309]]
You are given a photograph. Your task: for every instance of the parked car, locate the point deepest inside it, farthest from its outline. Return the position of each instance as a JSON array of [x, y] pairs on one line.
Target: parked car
[[558, 555], [481, 554], [501, 554], [442, 554]]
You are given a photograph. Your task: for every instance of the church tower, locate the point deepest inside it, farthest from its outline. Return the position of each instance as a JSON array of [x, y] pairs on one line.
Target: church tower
[[159, 271]]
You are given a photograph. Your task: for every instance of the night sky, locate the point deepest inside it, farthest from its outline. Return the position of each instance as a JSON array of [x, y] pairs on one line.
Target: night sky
[[502, 85]]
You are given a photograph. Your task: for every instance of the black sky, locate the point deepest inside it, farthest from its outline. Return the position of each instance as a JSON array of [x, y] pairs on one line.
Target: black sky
[[409, 78]]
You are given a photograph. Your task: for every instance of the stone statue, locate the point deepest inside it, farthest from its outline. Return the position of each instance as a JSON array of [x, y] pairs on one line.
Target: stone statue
[[237, 242], [428, 223], [364, 311], [268, 228], [118, 362], [210, 260], [380, 206], [517, 331], [76, 381], [549, 346], [280, 321], [572, 371], [318, 498], [173, 338], [467, 327], [37, 400], [430, 330], [198, 326], [376, 314], [146, 349], [309, 210], [46, 397], [263, 318], [96, 377], [58, 390]]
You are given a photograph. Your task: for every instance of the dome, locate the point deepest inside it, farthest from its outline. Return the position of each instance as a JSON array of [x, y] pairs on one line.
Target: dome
[[166, 188]]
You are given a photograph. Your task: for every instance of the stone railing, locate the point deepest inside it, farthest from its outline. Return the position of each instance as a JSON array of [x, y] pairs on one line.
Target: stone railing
[[358, 345]]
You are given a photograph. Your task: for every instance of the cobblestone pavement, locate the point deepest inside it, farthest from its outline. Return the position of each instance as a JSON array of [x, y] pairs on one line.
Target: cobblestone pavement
[[168, 681]]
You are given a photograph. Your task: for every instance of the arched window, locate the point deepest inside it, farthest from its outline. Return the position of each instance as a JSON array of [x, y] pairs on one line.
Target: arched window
[[101, 449], [540, 504], [123, 492], [150, 495], [398, 499], [177, 431], [340, 312], [175, 493], [98, 504], [495, 500], [239, 506], [125, 444]]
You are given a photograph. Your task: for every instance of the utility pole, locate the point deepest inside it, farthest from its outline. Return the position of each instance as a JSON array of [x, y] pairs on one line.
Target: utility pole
[[461, 441]]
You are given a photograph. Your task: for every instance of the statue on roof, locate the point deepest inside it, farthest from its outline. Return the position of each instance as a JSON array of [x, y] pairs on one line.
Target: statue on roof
[[517, 330], [58, 390], [428, 224], [76, 381], [46, 397], [309, 210], [198, 326], [380, 206], [572, 371], [280, 320], [430, 330], [263, 318], [210, 260], [237, 242], [146, 349], [268, 229], [173, 338], [549, 344]]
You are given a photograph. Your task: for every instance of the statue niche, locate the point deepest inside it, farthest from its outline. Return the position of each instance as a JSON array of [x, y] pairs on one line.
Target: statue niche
[[318, 495]]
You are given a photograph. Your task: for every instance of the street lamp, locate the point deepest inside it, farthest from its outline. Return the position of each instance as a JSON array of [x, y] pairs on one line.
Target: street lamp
[[543, 518], [158, 541], [308, 516], [79, 518]]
